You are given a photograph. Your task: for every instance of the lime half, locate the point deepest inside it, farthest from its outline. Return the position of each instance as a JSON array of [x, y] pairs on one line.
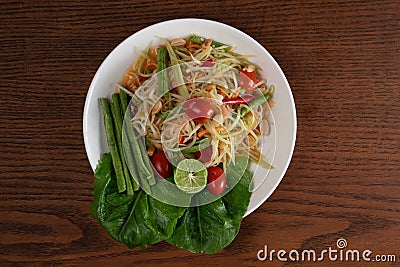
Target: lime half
[[190, 176]]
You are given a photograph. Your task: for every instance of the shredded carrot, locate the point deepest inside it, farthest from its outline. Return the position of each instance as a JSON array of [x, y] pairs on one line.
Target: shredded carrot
[[224, 111], [151, 66], [153, 52], [222, 91], [136, 63], [193, 46], [207, 42], [201, 133], [220, 129], [210, 87]]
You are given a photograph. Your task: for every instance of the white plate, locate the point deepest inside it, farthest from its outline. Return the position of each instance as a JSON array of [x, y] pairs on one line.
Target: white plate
[[118, 61]]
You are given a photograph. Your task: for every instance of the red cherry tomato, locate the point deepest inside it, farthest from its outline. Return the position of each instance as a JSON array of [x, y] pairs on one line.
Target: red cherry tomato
[[142, 79], [198, 110], [216, 180], [205, 154], [161, 164]]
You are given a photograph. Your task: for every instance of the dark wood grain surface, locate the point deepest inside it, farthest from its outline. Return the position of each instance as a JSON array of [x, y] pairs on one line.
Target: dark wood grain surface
[[342, 61]]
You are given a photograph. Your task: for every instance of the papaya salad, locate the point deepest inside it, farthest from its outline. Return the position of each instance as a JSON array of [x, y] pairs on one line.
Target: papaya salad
[[214, 96], [196, 115]]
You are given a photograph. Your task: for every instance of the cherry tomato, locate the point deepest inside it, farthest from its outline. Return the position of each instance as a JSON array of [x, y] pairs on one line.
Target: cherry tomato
[[198, 110], [248, 80], [216, 180], [205, 154], [161, 164], [142, 79]]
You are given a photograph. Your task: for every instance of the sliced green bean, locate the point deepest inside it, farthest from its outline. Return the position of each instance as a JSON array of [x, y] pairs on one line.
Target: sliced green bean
[[147, 163], [163, 115], [255, 103], [200, 40], [202, 145], [182, 89]]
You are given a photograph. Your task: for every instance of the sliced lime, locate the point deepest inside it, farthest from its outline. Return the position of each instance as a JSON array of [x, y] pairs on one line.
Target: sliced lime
[[190, 176]]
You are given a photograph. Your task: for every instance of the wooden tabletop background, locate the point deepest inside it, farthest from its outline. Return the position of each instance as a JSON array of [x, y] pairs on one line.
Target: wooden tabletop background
[[342, 61]]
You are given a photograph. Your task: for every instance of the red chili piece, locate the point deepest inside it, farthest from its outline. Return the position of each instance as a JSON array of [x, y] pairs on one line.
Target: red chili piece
[[239, 100]]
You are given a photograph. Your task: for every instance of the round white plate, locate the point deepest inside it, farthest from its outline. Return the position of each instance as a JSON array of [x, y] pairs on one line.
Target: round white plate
[[118, 61]]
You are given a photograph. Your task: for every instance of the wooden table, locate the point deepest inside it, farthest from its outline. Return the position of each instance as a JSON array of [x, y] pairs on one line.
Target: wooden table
[[342, 61]]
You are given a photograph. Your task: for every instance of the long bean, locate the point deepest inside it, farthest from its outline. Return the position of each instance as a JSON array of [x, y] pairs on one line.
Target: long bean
[[124, 102], [202, 145], [147, 163], [163, 115], [200, 40], [131, 166], [161, 71], [116, 113], [112, 144], [130, 155], [182, 89], [139, 154], [255, 103]]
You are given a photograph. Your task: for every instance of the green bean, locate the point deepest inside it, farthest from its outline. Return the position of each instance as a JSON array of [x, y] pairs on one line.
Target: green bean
[[163, 115], [112, 144], [148, 143], [139, 154], [147, 163], [182, 89], [124, 107], [135, 172], [255, 103], [116, 113], [202, 145], [200, 40], [124, 102], [161, 71]]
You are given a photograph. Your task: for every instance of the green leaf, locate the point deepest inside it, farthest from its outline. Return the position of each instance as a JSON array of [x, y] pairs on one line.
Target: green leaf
[[237, 200], [234, 172], [210, 228], [136, 220], [206, 228]]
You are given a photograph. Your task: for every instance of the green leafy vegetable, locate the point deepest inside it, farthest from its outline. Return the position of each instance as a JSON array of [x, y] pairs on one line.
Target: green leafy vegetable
[[212, 227], [136, 220], [237, 200]]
